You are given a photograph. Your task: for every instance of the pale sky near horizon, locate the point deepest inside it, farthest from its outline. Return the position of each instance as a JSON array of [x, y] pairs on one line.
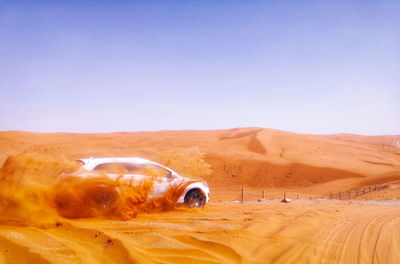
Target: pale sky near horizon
[[102, 66]]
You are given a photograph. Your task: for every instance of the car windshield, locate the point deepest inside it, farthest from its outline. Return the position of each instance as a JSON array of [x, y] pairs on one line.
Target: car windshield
[[133, 168]]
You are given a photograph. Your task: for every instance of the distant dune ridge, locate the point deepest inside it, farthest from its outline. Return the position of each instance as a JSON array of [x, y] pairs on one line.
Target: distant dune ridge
[[251, 157]]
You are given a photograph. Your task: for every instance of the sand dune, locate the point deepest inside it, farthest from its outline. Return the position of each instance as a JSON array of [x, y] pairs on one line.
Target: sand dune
[[304, 231], [246, 156]]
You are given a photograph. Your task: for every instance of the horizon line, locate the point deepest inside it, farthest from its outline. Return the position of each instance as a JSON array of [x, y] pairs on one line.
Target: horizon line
[[197, 130]]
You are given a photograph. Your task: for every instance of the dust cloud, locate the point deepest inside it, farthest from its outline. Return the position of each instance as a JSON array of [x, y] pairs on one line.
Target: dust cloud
[[36, 189]]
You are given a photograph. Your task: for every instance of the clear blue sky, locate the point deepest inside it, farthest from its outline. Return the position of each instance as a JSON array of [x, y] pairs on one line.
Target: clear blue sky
[[102, 66]]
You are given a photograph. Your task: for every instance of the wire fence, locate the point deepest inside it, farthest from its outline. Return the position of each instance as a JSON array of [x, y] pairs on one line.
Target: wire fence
[[356, 192], [340, 195]]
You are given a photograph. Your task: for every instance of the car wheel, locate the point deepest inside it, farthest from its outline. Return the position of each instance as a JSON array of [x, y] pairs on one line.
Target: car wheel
[[105, 198], [195, 198]]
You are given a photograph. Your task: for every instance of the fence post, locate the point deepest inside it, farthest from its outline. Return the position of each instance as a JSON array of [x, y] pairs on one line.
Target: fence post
[[284, 195], [297, 196], [349, 194], [241, 199], [263, 194], [340, 195], [331, 196], [310, 197]]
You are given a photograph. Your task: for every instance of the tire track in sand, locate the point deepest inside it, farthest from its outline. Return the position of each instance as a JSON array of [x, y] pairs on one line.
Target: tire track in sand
[[363, 239]]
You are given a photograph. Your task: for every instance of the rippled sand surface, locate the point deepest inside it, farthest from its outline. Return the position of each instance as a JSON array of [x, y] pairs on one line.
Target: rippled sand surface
[[319, 231]]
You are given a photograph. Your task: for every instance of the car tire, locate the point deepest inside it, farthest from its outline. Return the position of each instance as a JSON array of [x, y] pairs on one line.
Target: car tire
[[105, 198], [195, 198]]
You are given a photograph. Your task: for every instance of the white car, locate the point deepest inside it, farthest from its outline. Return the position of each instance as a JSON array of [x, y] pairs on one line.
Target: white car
[[135, 170]]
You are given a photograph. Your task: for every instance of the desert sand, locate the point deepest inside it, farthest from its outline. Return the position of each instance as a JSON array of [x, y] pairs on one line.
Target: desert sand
[[364, 229]]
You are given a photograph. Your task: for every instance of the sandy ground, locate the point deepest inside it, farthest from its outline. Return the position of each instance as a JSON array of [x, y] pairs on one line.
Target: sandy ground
[[362, 230], [318, 231]]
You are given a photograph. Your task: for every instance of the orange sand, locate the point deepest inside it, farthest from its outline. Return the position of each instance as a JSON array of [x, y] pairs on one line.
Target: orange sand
[[267, 232], [304, 231], [252, 157]]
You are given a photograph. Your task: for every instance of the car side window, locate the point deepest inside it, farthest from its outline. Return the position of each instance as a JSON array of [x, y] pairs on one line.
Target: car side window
[[152, 170], [133, 168], [112, 167]]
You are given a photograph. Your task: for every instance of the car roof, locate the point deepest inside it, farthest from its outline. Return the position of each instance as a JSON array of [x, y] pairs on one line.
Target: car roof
[[90, 163], [114, 159]]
